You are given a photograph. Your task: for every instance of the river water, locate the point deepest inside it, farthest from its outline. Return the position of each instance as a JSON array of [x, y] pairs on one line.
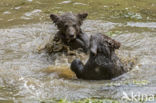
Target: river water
[[26, 74]]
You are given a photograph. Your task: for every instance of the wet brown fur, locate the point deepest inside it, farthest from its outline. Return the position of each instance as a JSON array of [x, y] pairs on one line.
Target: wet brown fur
[[103, 63]]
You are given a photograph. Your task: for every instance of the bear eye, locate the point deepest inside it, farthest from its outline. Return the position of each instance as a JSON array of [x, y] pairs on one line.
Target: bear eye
[[66, 26], [74, 25]]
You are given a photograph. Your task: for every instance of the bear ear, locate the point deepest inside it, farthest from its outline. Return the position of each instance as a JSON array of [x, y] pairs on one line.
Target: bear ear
[[82, 16], [117, 45], [54, 18]]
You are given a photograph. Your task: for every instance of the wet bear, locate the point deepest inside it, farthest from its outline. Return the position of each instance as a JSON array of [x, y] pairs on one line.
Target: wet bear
[[70, 32], [103, 63]]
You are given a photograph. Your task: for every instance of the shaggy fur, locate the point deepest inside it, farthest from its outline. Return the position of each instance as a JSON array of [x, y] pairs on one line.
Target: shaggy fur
[[103, 63], [70, 32]]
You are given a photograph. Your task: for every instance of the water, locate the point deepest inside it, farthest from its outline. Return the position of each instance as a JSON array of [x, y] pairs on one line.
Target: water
[[25, 29]]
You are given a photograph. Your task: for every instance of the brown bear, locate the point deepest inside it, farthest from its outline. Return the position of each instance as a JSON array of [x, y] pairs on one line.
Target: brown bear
[[70, 32], [103, 63]]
